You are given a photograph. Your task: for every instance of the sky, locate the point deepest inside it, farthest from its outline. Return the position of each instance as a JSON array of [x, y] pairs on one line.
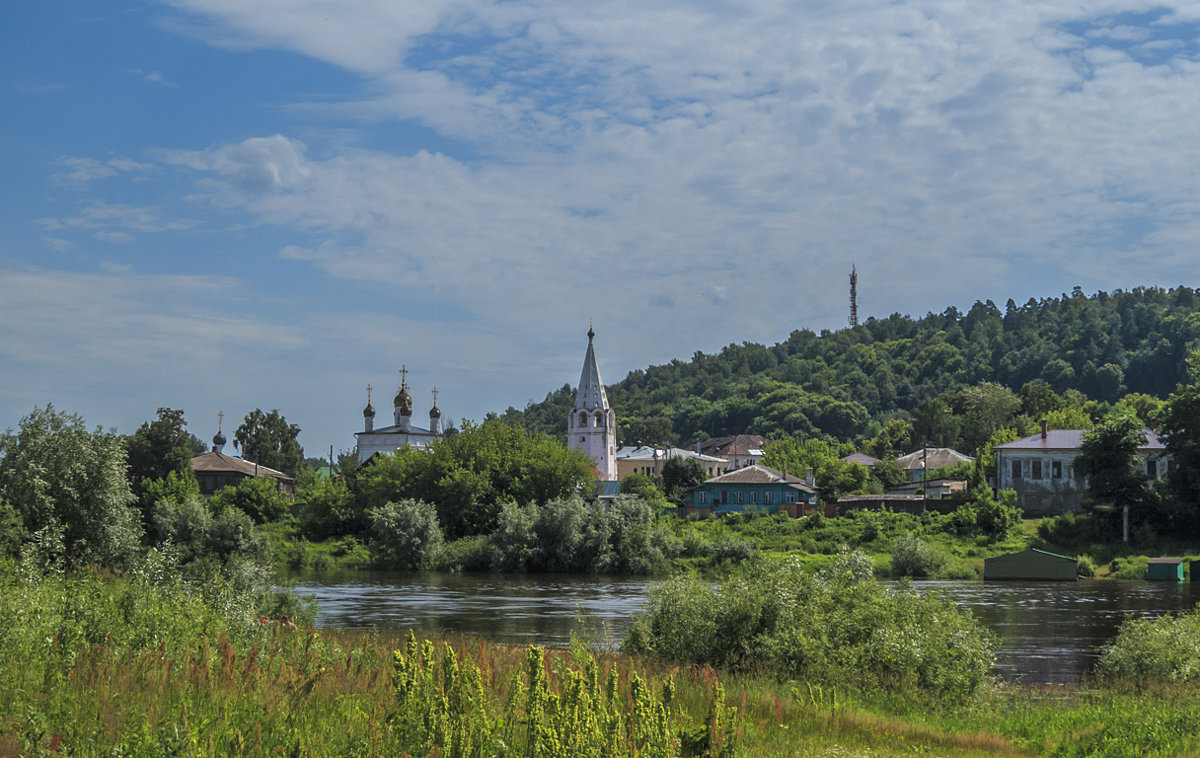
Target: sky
[[223, 205]]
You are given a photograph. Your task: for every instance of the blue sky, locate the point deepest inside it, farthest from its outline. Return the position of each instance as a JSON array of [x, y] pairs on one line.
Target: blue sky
[[231, 204]]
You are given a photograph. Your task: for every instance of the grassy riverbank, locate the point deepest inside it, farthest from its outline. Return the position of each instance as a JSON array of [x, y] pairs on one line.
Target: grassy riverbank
[[91, 664]]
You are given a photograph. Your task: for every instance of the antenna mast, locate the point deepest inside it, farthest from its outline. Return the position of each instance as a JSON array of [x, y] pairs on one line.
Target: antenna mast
[[853, 296]]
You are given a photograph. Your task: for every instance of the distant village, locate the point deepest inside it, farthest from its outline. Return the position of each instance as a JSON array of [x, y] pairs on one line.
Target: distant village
[[1038, 468]]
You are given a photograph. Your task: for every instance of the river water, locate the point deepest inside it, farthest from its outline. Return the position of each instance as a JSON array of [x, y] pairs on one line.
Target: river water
[[1049, 631]]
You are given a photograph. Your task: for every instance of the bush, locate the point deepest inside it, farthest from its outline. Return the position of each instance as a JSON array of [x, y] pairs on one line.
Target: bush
[[911, 557], [258, 497], [1146, 651], [1084, 565], [404, 535], [836, 627]]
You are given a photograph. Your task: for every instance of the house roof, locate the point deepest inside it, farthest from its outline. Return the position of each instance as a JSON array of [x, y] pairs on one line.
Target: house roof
[[738, 444], [932, 457], [213, 461], [861, 458], [1070, 439], [647, 453], [761, 475]]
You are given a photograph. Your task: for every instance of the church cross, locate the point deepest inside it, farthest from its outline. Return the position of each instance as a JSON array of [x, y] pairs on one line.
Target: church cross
[[435, 397], [220, 417], [368, 394], [403, 375]]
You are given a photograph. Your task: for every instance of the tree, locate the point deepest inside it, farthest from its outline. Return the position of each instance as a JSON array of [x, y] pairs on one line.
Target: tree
[[269, 440], [257, 496], [471, 474], [161, 446], [646, 486], [56, 474], [681, 474], [405, 535], [833, 476], [1108, 457], [1180, 431]]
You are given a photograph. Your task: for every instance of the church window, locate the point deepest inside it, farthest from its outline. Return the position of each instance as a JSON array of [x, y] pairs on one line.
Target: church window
[[596, 422], [583, 439]]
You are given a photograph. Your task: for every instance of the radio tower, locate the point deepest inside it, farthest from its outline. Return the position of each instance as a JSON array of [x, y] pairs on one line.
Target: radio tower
[[853, 296]]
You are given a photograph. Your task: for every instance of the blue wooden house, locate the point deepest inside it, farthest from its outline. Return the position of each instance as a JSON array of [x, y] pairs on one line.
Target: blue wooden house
[[752, 489]]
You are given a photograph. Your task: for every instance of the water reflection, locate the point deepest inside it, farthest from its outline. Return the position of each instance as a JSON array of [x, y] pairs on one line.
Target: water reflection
[[1049, 631]]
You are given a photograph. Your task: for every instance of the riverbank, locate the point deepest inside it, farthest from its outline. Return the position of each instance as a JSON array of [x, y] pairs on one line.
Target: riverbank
[[93, 663]]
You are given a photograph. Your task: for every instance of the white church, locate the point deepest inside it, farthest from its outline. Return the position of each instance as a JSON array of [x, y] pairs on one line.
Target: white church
[[402, 433], [592, 425]]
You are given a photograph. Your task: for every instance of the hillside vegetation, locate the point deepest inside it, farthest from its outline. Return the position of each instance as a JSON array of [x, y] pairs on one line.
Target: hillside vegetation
[[847, 384]]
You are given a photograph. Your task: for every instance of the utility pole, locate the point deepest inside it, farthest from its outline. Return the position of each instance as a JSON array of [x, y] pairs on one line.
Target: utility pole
[[853, 296]]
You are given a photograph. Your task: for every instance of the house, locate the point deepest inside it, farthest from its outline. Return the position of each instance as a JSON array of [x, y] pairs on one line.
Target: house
[[750, 489], [643, 459], [1040, 468], [916, 463], [215, 470], [934, 488], [740, 450], [861, 459]]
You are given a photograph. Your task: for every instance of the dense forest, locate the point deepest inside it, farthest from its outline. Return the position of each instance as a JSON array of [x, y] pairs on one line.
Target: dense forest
[[845, 385]]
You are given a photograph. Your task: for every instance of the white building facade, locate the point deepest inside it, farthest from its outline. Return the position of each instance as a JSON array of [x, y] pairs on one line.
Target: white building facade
[[400, 434], [591, 424]]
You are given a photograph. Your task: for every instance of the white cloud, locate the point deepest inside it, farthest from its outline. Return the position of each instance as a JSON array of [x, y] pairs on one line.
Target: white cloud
[[154, 77], [258, 164]]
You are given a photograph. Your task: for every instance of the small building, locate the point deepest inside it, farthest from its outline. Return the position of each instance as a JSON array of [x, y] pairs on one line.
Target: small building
[[215, 470], [644, 459], [1164, 569], [861, 459], [907, 503], [752, 489], [916, 463], [1031, 565], [740, 450]]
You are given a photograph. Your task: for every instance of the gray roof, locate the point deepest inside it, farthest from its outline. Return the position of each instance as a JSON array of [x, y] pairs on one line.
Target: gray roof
[[932, 457], [1069, 439], [648, 453], [220, 463], [761, 475], [861, 459], [591, 394]]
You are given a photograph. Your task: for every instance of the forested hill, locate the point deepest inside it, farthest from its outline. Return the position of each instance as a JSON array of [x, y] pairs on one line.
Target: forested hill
[[844, 384]]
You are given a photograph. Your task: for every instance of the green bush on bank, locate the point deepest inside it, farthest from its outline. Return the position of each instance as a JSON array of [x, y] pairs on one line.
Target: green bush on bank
[[1164, 649], [840, 626]]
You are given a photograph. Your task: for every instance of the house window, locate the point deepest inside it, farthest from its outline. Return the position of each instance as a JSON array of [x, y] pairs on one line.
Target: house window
[[768, 498], [737, 497], [1035, 469], [1151, 468], [724, 496], [1056, 469], [789, 496], [753, 498], [1016, 469], [702, 497]]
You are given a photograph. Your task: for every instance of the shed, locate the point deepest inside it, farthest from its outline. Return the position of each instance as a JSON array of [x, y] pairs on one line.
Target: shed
[[1031, 564], [1164, 569]]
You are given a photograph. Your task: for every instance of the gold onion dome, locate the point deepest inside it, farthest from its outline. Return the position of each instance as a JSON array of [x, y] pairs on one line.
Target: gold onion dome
[[403, 401], [434, 412], [369, 411]]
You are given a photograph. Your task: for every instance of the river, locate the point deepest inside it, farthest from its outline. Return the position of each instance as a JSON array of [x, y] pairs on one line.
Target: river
[[1049, 631]]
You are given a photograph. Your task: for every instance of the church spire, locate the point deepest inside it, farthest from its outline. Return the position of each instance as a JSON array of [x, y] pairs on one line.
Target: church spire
[[591, 394], [219, 438], [591, 424]]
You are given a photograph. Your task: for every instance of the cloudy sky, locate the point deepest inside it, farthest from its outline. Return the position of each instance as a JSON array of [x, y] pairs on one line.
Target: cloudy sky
[[230, 204]]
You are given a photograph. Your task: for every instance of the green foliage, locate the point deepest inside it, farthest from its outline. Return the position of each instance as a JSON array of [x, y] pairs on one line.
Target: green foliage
[[1108, 457], [54, 473], [1149, 651], [987, 515], [256, 496], [646, 486], [888, 474], [192, 529], [404, 535], [1180, 432], [681, 474], [912, 557], [269, 440], [836, 628], [327, 508], [833, 476], [160, 447], [852, 383], [470, 474]]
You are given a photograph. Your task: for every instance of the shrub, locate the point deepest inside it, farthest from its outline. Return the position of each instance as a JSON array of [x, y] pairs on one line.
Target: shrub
[[911, 557], [1165, 649], [404, 535], [258, 497], [1084, 565], [832, 627]]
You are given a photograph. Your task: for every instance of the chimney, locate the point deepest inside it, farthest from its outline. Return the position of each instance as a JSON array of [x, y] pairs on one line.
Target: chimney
[[808, 477], [1045, 425]]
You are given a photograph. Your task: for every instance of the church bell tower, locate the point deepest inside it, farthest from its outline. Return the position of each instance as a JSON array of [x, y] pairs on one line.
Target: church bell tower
[[592, 425]]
